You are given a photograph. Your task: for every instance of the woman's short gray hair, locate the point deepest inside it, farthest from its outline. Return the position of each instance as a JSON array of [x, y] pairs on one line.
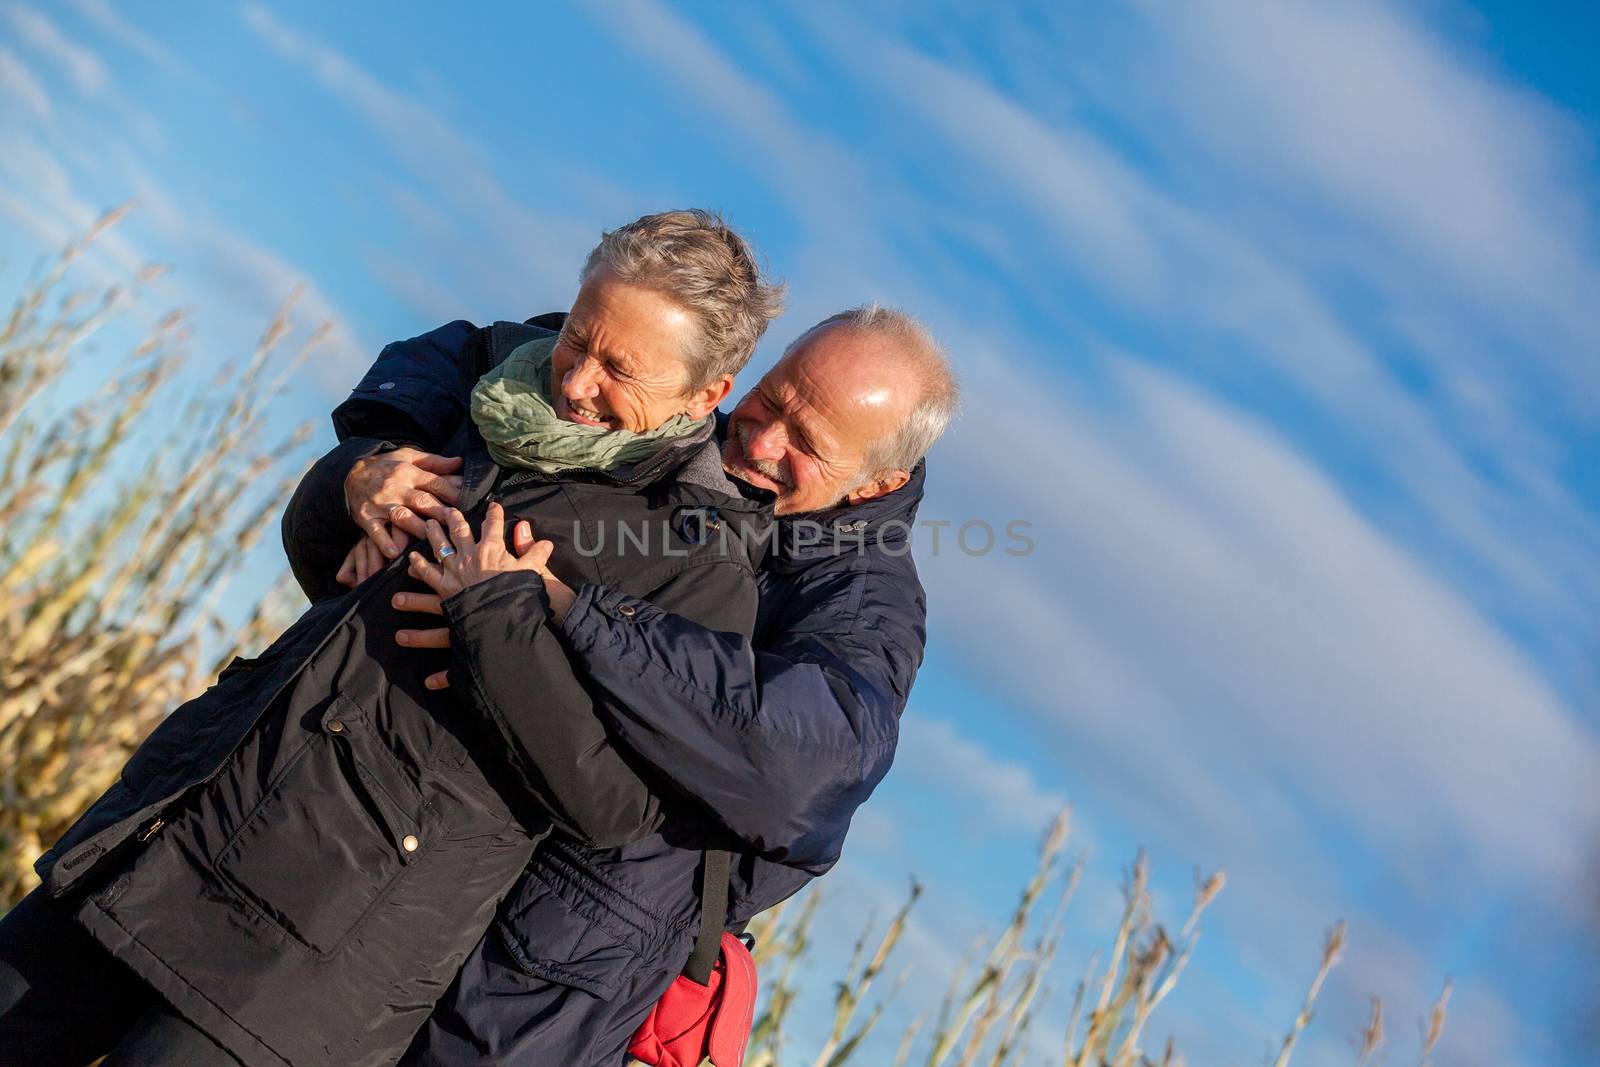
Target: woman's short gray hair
[[697, 260], [927, 361]]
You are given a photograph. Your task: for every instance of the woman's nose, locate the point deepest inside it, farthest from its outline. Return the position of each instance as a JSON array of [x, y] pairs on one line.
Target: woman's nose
[[582, 381]]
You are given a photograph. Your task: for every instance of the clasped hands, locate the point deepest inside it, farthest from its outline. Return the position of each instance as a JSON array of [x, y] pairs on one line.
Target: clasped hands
[[404, 494]]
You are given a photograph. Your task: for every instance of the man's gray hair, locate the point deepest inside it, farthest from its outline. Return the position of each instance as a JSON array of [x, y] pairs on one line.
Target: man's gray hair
[[928, 363], [697, 260]]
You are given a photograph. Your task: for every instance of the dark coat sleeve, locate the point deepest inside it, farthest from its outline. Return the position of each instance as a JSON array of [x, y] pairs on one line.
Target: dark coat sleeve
[[418, 390], [519, 681], [782, 743]]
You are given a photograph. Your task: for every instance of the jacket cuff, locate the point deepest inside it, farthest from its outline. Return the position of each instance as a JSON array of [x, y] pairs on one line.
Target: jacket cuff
[[515, 585], [591, 621]]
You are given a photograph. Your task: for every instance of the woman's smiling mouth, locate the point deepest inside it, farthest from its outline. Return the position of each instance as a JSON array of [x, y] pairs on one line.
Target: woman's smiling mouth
[[586, 416]]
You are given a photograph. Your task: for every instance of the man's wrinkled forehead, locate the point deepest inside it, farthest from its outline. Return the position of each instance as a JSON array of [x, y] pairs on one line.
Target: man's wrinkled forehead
[[844, 375]]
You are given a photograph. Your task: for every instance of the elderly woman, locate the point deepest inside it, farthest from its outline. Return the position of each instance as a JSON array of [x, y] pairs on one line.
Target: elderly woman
[[299, 860]]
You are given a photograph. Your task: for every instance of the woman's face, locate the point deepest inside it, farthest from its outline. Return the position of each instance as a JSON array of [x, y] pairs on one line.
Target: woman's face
[[619, 360]]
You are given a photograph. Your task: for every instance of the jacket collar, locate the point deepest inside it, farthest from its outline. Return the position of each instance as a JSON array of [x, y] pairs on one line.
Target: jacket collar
[[886, 520]]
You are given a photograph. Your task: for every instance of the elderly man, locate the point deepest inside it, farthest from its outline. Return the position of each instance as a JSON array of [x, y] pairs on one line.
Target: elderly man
[[778, 739]]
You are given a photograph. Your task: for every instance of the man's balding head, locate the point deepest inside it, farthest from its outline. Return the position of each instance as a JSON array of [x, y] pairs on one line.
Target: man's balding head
[[847, 412]]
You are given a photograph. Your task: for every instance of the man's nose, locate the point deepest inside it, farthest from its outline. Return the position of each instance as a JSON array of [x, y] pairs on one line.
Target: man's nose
[[582, 380], [768, 443]]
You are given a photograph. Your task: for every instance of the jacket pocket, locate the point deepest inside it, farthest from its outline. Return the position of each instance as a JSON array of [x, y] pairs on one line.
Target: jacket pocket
[[338, 825], [553, 939]]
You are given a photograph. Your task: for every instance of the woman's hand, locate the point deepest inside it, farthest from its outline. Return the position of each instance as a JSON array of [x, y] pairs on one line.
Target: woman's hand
[[464, 562], [524, 547]]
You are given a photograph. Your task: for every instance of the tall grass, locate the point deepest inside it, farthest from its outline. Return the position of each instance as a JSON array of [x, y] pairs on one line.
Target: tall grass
[[125, 508]]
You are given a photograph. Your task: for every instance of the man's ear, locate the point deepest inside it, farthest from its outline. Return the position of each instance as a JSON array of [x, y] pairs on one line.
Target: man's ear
[[881, 486], [704, 401]]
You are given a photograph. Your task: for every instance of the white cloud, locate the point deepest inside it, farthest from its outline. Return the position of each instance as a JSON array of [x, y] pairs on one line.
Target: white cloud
[[1208, 608], [1437, 158], [248, 282], [114, 24], [80, 63], [1003, 794], [41, 196], [512, 255], [18, 83]]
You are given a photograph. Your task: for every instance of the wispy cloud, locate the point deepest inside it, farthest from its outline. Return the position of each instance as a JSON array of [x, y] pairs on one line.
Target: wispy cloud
[[1211, 567], [531, 253], [18, 83], [79, 62], [1437, 158], [115, 25], [40, 194], [998, 792]]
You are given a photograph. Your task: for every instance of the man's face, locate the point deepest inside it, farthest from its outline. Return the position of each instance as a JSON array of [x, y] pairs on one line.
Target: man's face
[[619, 360], [805, 429]]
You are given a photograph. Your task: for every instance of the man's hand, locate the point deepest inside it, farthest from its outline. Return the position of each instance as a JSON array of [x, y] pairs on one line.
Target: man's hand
[[406, 477], [537, 553]]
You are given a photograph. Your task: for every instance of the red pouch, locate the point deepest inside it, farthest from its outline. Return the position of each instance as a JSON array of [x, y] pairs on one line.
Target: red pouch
[[692, 1021]]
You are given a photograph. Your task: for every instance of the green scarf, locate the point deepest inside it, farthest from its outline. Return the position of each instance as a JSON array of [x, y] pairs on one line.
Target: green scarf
[[511, 406]]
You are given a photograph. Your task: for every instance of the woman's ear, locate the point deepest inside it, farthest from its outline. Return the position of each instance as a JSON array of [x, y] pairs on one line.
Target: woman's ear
[[704, 401]]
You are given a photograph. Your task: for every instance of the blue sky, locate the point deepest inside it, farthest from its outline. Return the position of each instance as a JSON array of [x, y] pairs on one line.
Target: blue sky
[[1276, 321]]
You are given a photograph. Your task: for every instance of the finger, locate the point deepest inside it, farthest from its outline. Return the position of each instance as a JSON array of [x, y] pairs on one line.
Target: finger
[[376, 560], [364, 561], [447, 488], [437, 681], [347, 569], [539, 554], [521, 537], [460, 532], [378, 530], [440, 513], [440, 543], [426, 571], [423, 602], [436, 638], [407, 521], [494, 525], [434, 463], [421, 500]]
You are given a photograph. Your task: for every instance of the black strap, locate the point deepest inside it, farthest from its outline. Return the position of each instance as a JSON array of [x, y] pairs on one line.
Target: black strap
[[713, 915]]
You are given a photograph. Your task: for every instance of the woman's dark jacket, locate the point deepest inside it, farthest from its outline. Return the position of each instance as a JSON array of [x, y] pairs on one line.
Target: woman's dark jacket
[[778, 738], [301, 858]]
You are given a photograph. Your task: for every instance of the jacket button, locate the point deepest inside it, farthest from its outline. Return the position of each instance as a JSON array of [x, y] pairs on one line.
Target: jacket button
[[409, 842], [386, 386], [625, 610], [335, 726]]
